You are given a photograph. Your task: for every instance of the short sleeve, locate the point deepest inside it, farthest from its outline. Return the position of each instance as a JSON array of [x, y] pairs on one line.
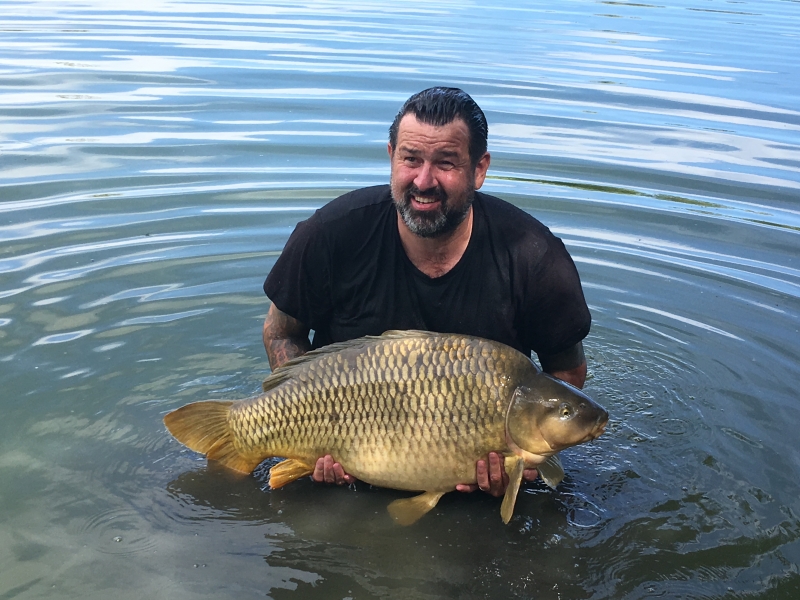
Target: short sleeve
[[299, 283], [556, 315]]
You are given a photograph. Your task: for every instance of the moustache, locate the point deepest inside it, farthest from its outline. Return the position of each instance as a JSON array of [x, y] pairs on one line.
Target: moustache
[[436, 193]]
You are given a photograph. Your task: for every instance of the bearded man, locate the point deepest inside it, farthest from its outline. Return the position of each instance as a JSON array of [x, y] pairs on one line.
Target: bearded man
[[429, 252]]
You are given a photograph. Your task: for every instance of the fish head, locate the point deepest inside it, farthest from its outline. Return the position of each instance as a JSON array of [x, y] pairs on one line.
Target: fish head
[[547, 415]]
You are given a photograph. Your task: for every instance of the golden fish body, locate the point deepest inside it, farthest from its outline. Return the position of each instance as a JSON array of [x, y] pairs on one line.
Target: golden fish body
[[406, 410]]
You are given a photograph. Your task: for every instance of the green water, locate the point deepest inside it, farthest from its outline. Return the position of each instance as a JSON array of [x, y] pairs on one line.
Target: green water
[[154, 159]]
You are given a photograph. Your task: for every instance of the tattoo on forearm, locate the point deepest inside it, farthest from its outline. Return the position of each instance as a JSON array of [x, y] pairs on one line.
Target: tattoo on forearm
[[285, 338], [282, 351]]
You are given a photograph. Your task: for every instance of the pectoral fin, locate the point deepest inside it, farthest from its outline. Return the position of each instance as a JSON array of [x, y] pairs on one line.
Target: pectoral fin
[[287, 471], [409, 510], [551, 471], [517, 466]]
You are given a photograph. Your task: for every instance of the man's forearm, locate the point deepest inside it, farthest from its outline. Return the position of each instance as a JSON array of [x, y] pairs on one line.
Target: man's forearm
[[285, 338], [569, 365], [576, 376], [280, 351]]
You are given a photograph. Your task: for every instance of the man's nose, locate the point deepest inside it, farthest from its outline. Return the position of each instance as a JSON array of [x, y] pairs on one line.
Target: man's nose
[[425, 178]]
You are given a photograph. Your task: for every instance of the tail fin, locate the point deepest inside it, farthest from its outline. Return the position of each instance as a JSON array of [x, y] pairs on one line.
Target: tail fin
[[203, 427]]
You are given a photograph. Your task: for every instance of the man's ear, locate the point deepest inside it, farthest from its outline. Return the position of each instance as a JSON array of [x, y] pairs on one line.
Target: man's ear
[[481, 168], [389, 149]]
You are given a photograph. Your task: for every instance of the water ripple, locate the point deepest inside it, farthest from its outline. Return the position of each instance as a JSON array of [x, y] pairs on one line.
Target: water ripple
[[117, 531], [155, 158]]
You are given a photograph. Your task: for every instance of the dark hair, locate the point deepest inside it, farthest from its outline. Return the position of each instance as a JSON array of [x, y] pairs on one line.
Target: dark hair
[[439, 106]]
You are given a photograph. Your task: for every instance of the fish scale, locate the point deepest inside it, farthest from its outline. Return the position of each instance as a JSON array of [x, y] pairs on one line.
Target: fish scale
[[411, 407], [409, 410]]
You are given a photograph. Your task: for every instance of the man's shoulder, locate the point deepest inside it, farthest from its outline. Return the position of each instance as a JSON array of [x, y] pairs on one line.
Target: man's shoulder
[[506, 218], [363, 203]]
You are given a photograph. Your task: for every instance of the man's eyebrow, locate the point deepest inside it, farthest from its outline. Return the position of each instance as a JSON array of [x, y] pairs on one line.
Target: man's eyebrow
[[442, 153], [407, 148]]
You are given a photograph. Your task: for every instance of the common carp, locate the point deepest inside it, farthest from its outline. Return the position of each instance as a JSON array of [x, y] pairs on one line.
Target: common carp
[[410, 410]]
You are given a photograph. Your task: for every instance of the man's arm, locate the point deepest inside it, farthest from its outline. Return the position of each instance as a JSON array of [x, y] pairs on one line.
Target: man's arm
[[576, 376], [284, 337], [569, 365]]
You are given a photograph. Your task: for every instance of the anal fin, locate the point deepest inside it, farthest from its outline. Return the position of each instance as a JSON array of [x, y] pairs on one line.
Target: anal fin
[[517, 465], [407, 511], [287, 471]]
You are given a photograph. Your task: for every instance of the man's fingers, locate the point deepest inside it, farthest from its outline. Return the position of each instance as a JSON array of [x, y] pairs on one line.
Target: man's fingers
[[495, 472], [491, 476], [482, 475], [330, 476], [498, 479], [326, 470], [319, 471], [338, 474]]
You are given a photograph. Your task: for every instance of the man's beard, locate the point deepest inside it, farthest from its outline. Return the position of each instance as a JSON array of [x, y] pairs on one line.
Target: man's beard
[[432, 223]]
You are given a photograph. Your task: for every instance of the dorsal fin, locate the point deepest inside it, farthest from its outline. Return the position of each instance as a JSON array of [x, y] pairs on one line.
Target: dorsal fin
[[274, 380], [286, 370], [398, 334], [329, 349]]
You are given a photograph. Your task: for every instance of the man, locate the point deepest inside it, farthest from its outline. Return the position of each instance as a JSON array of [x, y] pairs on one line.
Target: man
[[429, 252]]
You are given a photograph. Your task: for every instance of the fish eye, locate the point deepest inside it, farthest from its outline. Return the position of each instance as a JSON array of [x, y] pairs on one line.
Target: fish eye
[[565, 411]]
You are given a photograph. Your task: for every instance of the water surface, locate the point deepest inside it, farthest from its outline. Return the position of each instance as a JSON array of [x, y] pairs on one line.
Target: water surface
[[154, 158]]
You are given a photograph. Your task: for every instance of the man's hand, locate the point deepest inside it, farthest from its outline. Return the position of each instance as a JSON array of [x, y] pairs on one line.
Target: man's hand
[[328, 471], [492, 477]]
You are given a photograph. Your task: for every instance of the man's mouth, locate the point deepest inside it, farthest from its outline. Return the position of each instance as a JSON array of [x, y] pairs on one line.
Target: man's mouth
[[424, 202]]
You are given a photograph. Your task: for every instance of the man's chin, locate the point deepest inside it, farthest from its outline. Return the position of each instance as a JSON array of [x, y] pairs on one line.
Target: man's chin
[[429, 223], [425, 226]]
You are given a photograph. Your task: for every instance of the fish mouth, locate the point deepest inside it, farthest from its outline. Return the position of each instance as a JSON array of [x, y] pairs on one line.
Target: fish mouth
[[599, 428]]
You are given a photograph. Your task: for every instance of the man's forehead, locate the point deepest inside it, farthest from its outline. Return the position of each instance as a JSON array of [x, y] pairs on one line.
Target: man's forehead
[[450, 137]]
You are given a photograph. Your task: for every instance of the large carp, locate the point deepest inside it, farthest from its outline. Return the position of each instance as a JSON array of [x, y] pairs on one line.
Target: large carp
[[410, 410]]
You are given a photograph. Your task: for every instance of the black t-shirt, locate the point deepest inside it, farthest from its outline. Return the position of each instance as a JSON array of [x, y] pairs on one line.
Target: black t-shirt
[[344, 274]]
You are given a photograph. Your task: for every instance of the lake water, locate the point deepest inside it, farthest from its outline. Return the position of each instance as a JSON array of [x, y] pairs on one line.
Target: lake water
[[155, 158]]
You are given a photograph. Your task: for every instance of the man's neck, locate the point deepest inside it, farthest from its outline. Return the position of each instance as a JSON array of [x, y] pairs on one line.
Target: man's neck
[[438, 255]]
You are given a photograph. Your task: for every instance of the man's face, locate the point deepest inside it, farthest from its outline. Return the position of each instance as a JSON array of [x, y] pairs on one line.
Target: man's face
[[433, 181]]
